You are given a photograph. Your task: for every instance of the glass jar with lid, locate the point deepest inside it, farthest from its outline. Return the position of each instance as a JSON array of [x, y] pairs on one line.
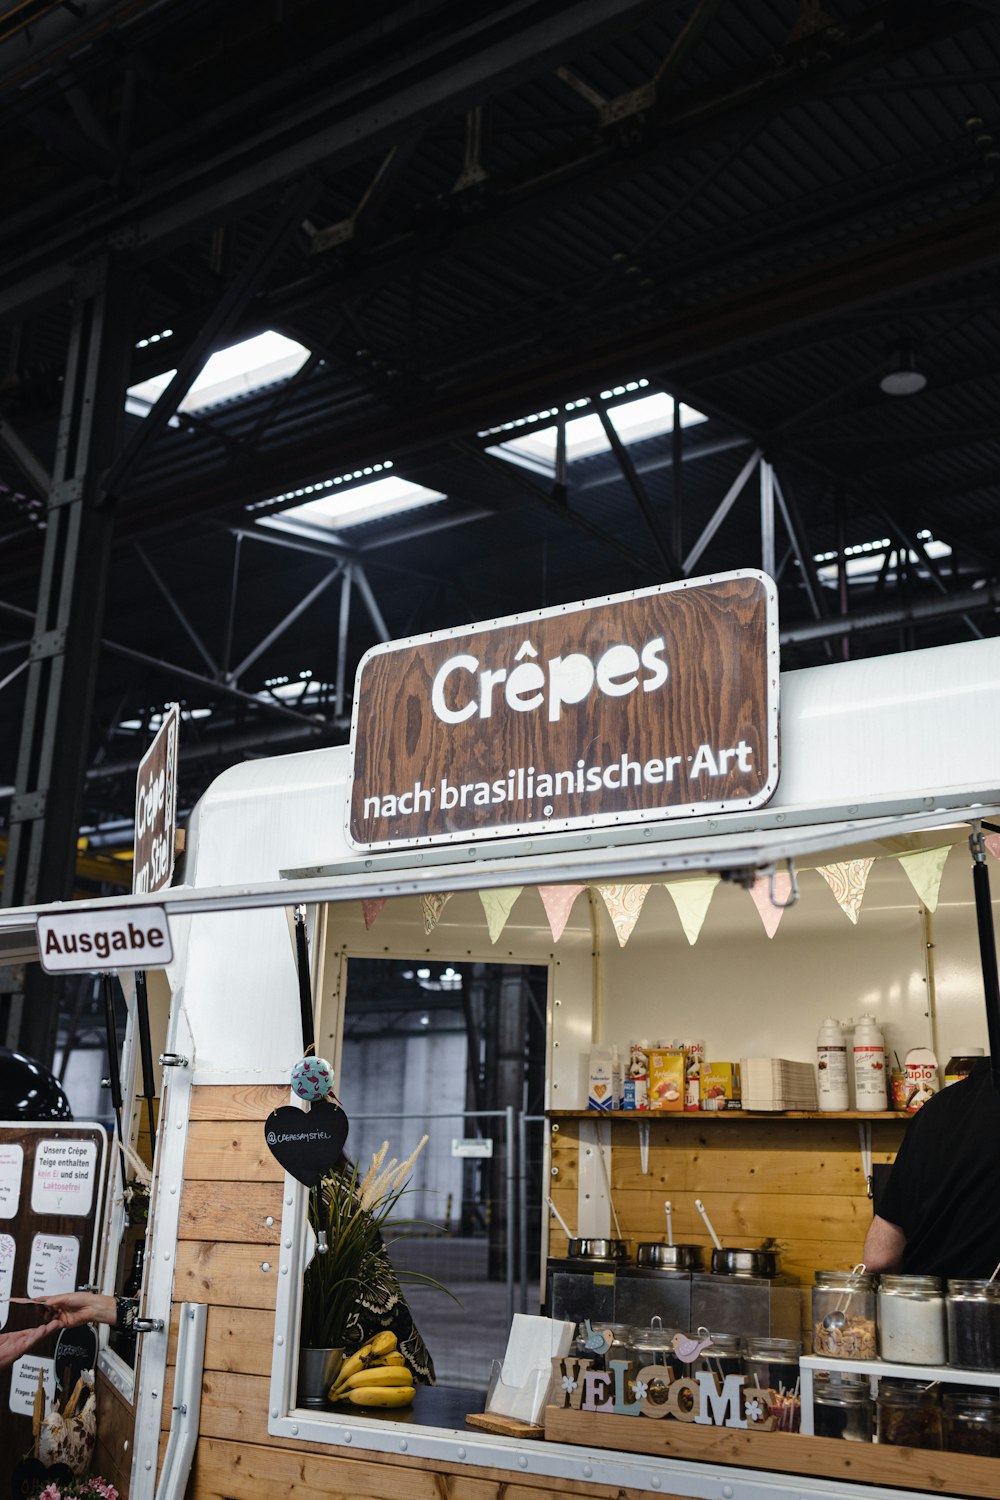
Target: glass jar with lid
[[911, 1323], [843, 1407], [723, 1356], [773, 1364], [843, 1315], [652, 1344], [972, 1311], [970, 1422], [909, 1415]]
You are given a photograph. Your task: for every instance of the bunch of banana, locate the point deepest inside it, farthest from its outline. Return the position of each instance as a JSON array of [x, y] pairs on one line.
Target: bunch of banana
[[377, 1375]]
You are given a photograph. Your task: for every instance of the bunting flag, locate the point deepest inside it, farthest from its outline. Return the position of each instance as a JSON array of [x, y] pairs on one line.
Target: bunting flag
[[558, 902], [371, 909], [624, 903], [847, 880], [992, 842], [925, 868], [692, 899], [432, 907], [760, 893], [498, 906]]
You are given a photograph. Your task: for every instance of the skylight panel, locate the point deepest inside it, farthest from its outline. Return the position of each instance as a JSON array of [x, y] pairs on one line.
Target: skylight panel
[[866, 559], [645, 417], [237, 371], [336, 510]]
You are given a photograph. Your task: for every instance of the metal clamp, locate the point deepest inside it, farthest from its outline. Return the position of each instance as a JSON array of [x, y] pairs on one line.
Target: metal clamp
[[147, 1325], [173, 1060]]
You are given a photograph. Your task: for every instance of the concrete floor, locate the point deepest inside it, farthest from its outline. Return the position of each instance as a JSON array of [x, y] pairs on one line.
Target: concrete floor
[[466, 1337]]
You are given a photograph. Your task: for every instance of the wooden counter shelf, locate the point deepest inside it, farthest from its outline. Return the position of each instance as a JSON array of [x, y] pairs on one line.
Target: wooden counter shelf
[[670, 1117], [930, 1471]]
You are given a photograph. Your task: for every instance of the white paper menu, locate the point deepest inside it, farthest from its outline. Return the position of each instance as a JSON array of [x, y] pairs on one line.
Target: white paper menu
[[63, 1182], [11, 1166], [53, 1263]]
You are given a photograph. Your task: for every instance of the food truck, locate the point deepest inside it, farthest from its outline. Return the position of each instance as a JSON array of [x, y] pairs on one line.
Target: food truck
[[639, 764]]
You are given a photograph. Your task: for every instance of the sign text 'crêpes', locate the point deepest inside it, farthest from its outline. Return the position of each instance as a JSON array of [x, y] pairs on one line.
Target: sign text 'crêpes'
[[656, 704]]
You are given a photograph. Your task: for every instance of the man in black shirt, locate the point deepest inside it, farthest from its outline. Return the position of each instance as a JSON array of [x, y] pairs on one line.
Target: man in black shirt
[[940, 1212]]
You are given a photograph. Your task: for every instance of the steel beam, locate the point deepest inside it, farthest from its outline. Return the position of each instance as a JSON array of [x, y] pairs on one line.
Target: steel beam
[[767, 518], [182, 618], [345, 620], [800, 543], [306, 602], [722, 510], [65, 644], [635, 484], [970, 601], [26, 460]]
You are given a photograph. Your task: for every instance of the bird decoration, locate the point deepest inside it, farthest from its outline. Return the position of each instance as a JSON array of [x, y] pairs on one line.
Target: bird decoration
[[598, 1340], [687, 1348]]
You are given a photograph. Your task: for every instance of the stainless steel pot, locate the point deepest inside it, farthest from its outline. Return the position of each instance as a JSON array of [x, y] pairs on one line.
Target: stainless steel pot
[[598, 1249], [653, 1254], [745, 1262]]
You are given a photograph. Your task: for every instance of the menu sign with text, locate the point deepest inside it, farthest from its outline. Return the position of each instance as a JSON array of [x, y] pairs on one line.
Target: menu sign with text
[[657, 704], [156, 809]]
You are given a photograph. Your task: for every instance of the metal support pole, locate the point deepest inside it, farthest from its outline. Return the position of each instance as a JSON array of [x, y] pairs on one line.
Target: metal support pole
[[345, 620], [145, 1055], [987, 949], [511, 1186], [721, 512], [114, 1073], [305, 983], [65, 644], [677, 466], [522, 1211], [767, 517]]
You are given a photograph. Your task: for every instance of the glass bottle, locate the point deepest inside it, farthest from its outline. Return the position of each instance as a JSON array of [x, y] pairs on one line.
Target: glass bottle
[[843, 1315], [773, 1364], [973, 1316], [843, 1408], [909, 1416], [724, 1356], [911, 1322], [971, 1422]]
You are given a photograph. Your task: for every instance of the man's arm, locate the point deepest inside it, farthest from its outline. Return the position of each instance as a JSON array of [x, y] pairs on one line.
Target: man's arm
[[884, 1246]]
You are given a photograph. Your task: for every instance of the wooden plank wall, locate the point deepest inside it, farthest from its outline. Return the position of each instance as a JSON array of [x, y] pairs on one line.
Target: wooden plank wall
[[232, 1185], [798, 1181]]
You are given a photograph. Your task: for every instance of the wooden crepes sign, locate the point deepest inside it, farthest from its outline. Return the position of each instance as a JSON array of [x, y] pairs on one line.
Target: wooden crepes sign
[[657, 704], [156, 809]]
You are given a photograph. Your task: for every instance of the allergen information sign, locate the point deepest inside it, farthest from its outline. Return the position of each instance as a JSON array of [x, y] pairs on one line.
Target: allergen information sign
[[661, 703]]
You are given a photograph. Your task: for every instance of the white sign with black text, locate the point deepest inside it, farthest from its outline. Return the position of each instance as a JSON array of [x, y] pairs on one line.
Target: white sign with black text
[[471, 1146], [80, 940]]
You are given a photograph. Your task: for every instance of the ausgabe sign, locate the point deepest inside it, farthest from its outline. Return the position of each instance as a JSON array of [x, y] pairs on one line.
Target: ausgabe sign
[[657, 704], [80, 940]]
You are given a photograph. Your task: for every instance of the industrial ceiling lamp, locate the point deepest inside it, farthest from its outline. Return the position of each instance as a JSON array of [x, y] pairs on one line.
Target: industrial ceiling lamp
[[902, 378]]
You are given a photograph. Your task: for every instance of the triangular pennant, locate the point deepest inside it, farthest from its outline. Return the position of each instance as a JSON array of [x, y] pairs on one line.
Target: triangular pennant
[[371, 909], [847, 880], [692, 899], [992, 842], [558, 902], [624, 903], [497, 905], [925, 868], [760, 894], [432, 907]]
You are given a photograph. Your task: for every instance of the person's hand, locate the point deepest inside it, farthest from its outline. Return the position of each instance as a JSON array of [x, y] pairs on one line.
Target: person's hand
[[74, 1308], [13, 1345]]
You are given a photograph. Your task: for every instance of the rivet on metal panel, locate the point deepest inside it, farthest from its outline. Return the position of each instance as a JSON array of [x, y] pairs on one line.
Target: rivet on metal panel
[[523, 1462], [274, 1411], [348, 1436], [280, 1340], [284, 1270], [265, 1265], [588, 1470], [173, 1187], [295, 1429], [727, 1492], [403, 1445]]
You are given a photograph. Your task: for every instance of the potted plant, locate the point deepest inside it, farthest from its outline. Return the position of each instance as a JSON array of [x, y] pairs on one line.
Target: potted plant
[[350, 1274]]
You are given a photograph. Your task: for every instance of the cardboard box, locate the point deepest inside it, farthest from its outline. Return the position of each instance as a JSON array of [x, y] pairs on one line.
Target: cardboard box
[[666, 1079], [720, 1086]]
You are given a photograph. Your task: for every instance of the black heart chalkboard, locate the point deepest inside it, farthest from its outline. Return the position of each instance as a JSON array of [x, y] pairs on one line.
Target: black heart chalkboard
[[30, 1476], [307, 1145], [76, 1350]]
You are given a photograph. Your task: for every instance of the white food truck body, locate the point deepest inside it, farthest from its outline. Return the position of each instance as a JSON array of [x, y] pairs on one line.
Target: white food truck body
[[877, 756]]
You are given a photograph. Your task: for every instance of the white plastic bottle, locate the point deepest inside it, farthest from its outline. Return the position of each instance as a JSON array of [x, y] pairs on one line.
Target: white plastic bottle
[[869, 1065], [832, 1090]]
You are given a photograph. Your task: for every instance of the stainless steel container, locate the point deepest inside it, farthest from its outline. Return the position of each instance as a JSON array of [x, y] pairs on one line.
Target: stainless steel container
[[745, 1262], [599, 1249], [661, 1257]]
